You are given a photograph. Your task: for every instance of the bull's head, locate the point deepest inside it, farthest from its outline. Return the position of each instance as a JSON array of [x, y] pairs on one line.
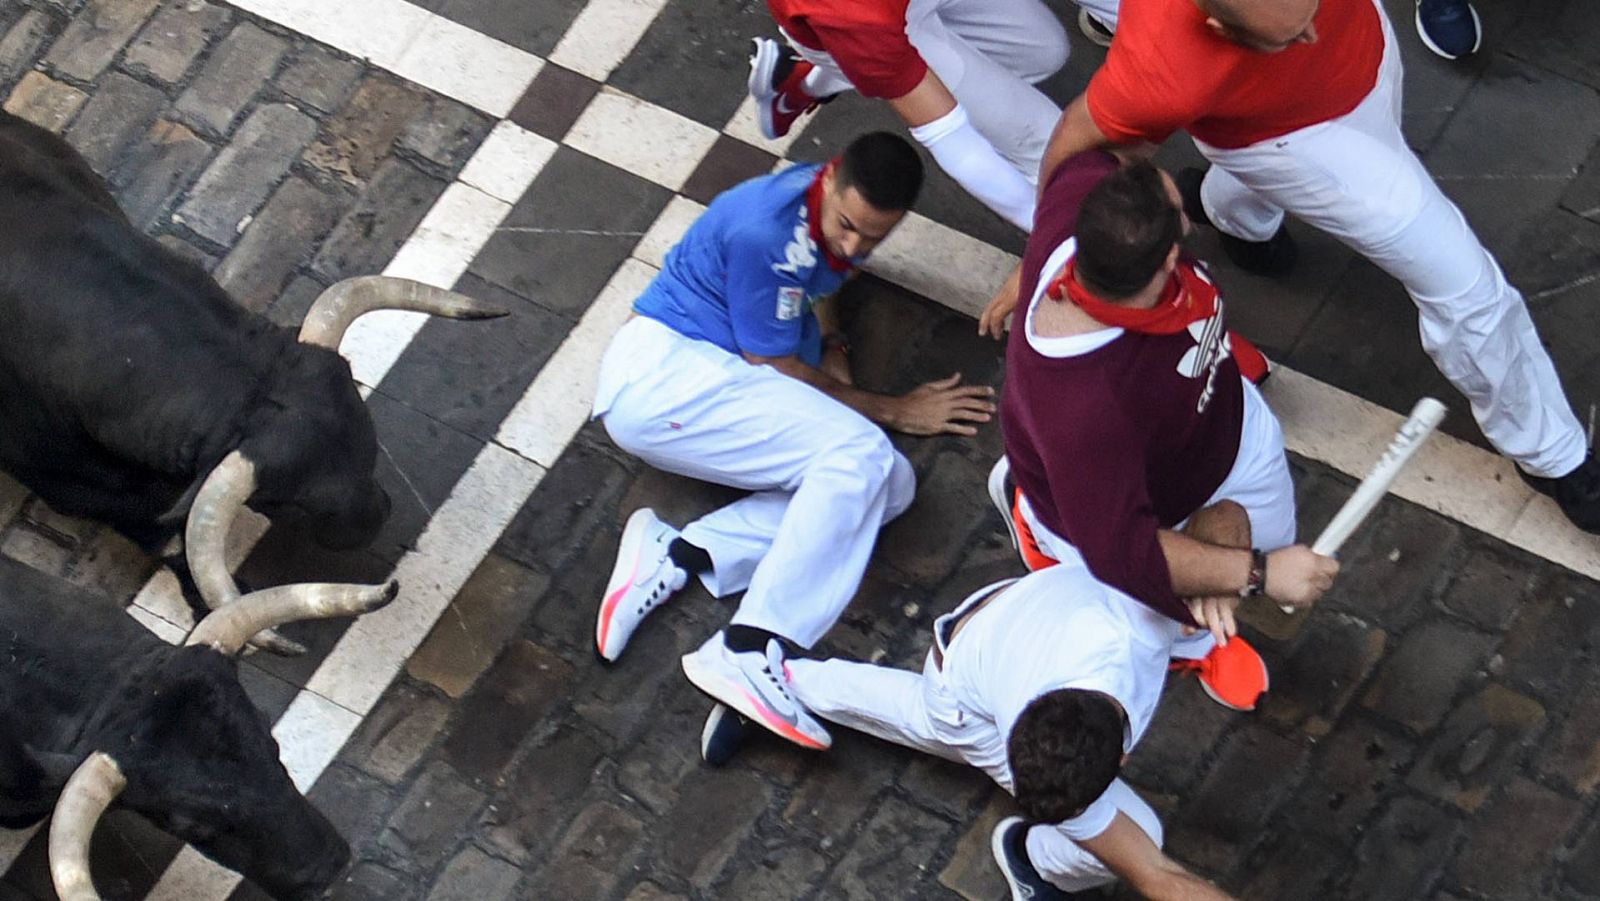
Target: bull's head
[[194, 756], [311, 451]]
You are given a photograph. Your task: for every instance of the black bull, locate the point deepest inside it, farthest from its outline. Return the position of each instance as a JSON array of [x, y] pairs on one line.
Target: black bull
[[127, 374], [79, 676]]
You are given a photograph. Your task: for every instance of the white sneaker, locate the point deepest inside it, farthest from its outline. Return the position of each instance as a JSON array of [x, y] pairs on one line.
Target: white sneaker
[[643, 579], [1096, 30], [756, 685], [1000, 496]]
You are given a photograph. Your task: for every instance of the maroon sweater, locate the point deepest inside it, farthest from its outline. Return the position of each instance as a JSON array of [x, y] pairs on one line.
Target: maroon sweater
[[1112, 445]]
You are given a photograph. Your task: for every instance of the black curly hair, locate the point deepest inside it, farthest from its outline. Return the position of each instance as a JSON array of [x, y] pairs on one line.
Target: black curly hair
[[1064, 750]]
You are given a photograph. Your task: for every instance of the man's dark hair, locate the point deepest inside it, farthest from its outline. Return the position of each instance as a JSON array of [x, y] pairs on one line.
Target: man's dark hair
[[1064, 750], [1126, 227], [884, 168]]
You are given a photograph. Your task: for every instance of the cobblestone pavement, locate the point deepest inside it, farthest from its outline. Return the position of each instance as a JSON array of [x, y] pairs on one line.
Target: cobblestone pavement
[[1434, 724]]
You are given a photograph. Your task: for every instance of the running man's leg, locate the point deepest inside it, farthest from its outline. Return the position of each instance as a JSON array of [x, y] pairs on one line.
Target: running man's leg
[[1015, 117], [1023, 36], [1357, 179]]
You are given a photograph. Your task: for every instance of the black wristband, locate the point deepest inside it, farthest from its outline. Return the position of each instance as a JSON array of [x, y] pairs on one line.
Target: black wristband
[[1256, 584]]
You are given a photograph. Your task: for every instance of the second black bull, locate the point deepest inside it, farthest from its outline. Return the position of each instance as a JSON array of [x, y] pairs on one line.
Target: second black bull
[[135, 391]]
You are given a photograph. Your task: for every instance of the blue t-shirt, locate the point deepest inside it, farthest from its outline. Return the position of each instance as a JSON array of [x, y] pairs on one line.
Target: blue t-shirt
[[747, 273]]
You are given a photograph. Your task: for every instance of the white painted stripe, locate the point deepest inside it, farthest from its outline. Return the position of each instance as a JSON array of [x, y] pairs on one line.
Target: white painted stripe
[[743, 126], [667, 230], [603, 35], [168, 632], [941, 264], [12, 843], [359, 668], [376, 30], [558, 402], [1448, 476], [192, 877], [460, 63], [507, 161], [642, 138], [461, 221]]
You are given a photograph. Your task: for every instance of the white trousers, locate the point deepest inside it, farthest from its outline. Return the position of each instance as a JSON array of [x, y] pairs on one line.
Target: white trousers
[[1355, 178], [923, 713], [1259, 482], [825, 479], [989, 53]]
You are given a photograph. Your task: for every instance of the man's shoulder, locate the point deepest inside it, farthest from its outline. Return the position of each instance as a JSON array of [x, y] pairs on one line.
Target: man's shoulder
[[765, 205]]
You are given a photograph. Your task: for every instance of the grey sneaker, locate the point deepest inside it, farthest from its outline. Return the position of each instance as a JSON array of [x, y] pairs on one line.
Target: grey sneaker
[[756, 685]]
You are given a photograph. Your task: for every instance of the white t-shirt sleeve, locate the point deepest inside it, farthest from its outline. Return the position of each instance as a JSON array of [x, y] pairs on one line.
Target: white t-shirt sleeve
[[1094, 820]]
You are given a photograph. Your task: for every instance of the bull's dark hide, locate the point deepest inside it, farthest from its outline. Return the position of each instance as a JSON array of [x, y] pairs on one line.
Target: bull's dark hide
[[78, 675], [126, 372]]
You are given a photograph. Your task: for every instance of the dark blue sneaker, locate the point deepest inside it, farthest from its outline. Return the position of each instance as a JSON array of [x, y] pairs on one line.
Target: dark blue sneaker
[[1008, 842], [1450, 28], [724, 733]]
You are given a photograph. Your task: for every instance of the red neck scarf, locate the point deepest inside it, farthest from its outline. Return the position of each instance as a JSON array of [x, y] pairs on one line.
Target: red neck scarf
[[814, 219], [1187, 298]]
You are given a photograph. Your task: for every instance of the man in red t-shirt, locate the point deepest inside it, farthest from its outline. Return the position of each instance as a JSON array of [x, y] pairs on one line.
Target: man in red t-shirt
[[1296, 104], [960, 73], [1125, 415]]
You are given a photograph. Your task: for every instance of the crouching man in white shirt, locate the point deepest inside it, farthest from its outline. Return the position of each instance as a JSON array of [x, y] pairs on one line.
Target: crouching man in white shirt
[[1045, 683]]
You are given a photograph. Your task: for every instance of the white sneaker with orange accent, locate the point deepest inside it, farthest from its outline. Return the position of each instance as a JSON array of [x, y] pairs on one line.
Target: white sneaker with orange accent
[[643, 578], [757, 685]]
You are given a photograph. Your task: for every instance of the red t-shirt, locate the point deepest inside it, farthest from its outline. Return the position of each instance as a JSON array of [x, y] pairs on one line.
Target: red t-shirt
[[1112, 445], [1167, 70], [867, 38]]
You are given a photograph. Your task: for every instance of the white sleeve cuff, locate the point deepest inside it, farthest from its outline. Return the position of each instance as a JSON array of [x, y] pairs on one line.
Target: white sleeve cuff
[[972, 161]]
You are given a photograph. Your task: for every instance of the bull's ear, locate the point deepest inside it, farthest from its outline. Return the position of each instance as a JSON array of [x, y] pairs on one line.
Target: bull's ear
[[57, 767]]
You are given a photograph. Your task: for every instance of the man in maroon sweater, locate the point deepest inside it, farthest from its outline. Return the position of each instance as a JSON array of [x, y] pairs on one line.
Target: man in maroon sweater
[[1124, 414]]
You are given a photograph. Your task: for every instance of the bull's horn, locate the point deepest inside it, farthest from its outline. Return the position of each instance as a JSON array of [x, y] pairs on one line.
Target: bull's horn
[[205, 537], [93, 786], [228, 628], [325, 323]]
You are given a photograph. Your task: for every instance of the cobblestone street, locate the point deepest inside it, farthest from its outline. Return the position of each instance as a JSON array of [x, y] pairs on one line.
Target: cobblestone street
[[1433, 729]]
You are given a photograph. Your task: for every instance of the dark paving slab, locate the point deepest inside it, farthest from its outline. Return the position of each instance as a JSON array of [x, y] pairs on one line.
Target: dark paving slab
[[557, 247], [693, 59], [534, 27]]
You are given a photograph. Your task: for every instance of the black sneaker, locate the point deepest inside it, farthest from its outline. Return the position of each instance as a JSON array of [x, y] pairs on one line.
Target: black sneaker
[[1008, 843], [1273, 257], [1577, 493], [724, 733]]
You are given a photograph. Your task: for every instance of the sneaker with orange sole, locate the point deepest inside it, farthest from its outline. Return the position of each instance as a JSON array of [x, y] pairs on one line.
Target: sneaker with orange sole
[[1233, 674]]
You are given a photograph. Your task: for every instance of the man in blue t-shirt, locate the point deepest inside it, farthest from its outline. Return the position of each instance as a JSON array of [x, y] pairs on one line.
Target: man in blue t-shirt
[[729, 374]]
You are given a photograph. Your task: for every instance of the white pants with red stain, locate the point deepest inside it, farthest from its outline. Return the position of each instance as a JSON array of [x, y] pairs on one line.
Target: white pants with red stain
[[1355, 178], [825, 479], [989, 53]]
